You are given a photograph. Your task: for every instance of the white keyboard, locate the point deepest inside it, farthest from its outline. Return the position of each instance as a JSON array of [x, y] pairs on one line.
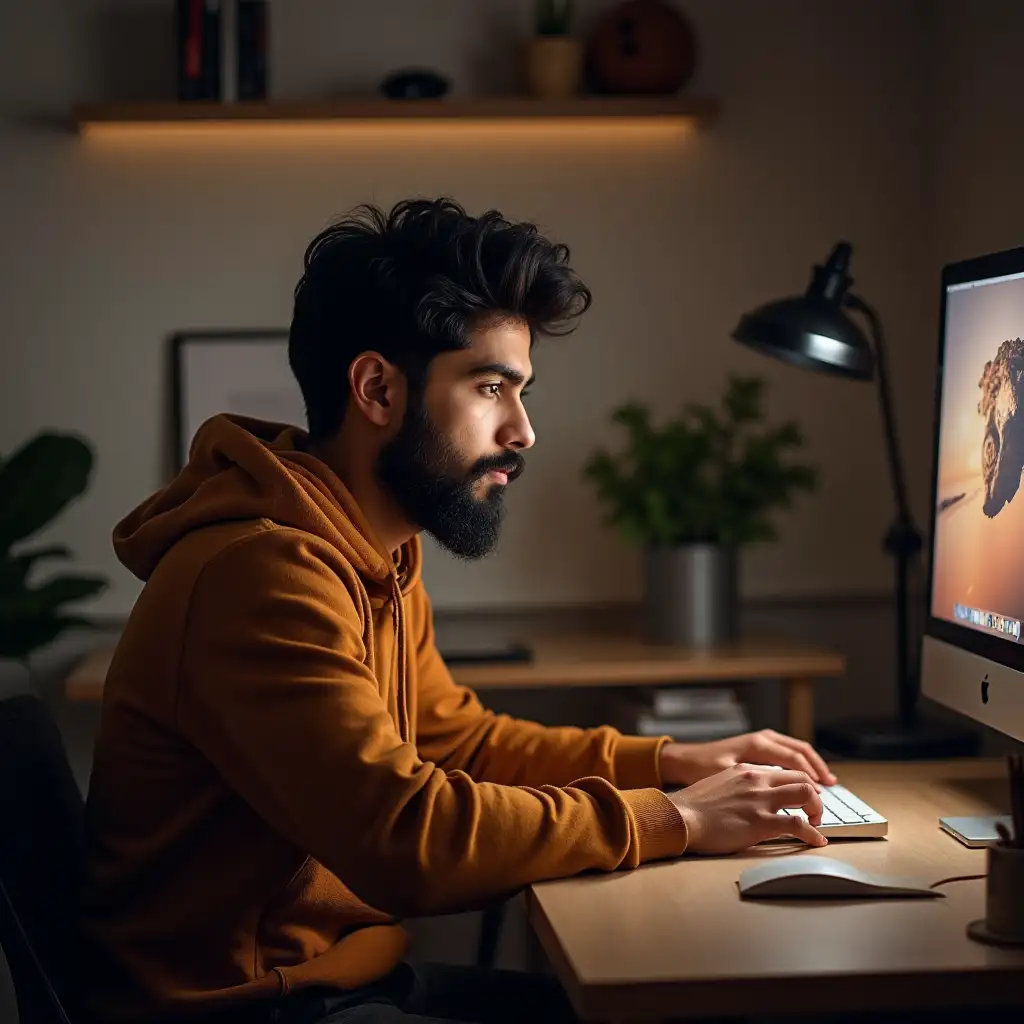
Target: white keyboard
[[846, 816]]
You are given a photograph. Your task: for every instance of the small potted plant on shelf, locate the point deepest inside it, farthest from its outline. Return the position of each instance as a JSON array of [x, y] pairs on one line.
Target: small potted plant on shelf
[[692, 494], [36, 483], [554, 57]]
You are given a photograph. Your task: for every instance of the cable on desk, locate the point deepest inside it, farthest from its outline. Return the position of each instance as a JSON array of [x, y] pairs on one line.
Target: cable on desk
[[956, 878]]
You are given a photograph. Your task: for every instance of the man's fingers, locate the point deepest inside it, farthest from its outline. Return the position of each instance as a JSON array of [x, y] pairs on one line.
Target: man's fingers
[[817, 761], [797, 795], [821, 770], [786, 757], [790, 825], [779, 776]]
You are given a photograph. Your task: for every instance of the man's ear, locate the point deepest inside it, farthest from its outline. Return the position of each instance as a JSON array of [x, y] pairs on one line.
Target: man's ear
[[377, 388]]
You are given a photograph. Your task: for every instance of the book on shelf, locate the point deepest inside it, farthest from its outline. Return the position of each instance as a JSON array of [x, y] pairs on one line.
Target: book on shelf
[[221, 50], [693, 714], [252, 31], [691, 730], [198, 49], [693, 700]]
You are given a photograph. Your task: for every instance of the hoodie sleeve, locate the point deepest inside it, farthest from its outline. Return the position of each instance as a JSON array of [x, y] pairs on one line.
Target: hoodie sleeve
[[455, 731], [274, 691]]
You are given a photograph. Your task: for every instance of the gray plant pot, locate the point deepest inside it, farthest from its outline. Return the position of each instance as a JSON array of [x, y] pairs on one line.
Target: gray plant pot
[[691, 595]]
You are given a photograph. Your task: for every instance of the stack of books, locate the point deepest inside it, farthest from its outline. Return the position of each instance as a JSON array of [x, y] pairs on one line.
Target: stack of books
[[221, 49], [693, 713]]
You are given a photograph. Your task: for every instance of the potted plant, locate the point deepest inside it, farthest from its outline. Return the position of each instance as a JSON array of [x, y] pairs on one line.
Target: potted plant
[[692, 494], [554, 58], [36, 483]]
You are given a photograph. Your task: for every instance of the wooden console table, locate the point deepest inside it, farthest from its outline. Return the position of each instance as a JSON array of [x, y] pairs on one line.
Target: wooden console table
[[598, 659]]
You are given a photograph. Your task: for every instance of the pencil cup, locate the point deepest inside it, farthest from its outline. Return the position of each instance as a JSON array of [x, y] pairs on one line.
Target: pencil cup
[[1003, 924]]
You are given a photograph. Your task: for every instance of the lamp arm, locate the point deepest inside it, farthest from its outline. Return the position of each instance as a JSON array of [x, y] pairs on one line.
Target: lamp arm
[[903, 541], [892, 447]]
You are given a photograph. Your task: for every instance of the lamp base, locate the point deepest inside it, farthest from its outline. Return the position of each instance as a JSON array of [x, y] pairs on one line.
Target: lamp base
[[888, 740]]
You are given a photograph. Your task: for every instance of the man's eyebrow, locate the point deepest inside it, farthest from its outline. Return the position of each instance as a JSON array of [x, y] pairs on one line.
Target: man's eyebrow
[[510, 373]]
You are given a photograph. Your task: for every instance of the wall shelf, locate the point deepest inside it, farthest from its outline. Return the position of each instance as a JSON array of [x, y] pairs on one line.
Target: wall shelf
[[684, 111]]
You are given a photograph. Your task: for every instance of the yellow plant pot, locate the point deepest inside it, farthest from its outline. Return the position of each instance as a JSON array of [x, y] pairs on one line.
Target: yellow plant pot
[[553, 66]]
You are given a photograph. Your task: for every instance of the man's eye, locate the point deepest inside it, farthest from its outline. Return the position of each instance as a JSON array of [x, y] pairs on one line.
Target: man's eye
[[493, 389]]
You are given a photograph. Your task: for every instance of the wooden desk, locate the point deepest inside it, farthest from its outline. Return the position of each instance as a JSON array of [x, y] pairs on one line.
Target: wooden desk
[[608, 660], [674, 940]]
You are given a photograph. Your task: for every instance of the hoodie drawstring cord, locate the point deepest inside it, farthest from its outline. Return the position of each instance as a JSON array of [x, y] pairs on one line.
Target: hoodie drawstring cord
[[400, 668]]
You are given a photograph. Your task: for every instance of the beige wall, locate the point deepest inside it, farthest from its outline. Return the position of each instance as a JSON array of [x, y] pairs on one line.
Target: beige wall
[[110, 247], [979, 145]]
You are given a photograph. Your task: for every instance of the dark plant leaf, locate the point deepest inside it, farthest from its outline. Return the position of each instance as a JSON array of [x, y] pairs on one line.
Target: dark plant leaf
[[21, 637], [44, 600], [12, 576], [14, 570], [38, 481], [743, 399], [65, 589]]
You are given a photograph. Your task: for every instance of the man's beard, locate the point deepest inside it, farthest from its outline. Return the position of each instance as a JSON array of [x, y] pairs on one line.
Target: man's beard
[[423, 472]]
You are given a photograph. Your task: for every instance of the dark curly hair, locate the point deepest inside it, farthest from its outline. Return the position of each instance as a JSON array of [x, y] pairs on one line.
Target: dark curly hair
[[413, 283]]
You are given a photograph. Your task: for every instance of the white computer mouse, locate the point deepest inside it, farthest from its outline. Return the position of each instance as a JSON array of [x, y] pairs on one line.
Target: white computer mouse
[[818, 876]]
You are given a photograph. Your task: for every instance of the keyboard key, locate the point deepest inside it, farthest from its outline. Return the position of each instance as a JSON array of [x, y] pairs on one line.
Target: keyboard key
[[845, 814], [827, 817], [842, 793]]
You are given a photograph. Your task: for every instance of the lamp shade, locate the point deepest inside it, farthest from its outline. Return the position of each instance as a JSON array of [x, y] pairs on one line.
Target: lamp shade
[[813, 330]]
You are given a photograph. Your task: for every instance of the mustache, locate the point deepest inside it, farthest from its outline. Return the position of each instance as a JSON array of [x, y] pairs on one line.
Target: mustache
[[509, 462]]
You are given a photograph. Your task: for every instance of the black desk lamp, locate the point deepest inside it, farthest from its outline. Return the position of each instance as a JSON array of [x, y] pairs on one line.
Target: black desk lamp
[[814, 331]]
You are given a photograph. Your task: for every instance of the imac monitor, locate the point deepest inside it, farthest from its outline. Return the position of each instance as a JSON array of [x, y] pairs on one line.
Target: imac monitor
[[973, 649]]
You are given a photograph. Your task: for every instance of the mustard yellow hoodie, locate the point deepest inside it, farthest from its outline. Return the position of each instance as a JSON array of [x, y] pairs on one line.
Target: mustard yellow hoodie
[[284, 767]]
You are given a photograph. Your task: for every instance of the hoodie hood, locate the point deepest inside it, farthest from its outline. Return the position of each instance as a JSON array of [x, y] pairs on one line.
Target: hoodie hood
[[241, 468]]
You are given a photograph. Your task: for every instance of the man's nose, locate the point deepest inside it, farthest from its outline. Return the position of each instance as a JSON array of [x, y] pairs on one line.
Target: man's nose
[[518, 433]]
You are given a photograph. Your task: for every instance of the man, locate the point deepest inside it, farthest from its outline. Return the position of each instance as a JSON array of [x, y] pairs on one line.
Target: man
[[284, 767]]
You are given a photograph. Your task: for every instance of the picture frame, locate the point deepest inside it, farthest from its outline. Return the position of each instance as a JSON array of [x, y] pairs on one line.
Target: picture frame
[[244, 372]]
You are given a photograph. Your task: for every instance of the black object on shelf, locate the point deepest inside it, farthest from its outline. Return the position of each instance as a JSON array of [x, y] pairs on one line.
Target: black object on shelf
[[813, 331], [470, 654], [414, 84], [197, 49], [252, 53]]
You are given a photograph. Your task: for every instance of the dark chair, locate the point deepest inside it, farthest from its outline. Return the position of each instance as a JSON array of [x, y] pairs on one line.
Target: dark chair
[[491, 920], [41, 856]]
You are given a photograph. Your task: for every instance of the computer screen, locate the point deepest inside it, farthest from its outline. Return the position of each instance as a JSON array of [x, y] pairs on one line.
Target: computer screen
[[978, 537], [972, 653]]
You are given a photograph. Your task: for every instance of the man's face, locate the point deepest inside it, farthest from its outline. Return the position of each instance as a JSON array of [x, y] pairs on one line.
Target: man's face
[[459, 445]]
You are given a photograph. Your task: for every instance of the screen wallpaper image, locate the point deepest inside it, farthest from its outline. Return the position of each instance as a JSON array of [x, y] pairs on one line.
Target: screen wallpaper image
[[978, 546]]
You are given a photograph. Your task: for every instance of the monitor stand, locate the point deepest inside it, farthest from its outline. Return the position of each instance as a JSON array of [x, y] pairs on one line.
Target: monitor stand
[[893, 740], [977, 831]]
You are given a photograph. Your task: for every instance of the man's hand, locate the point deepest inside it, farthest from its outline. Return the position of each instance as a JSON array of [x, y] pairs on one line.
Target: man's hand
[[738, 808], [683, 764]]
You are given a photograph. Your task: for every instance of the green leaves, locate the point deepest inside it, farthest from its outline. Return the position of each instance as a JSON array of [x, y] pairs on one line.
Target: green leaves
[[36, 483], [13, 571], [20, 637], [44, 601], [707, 476], [552, 17]]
